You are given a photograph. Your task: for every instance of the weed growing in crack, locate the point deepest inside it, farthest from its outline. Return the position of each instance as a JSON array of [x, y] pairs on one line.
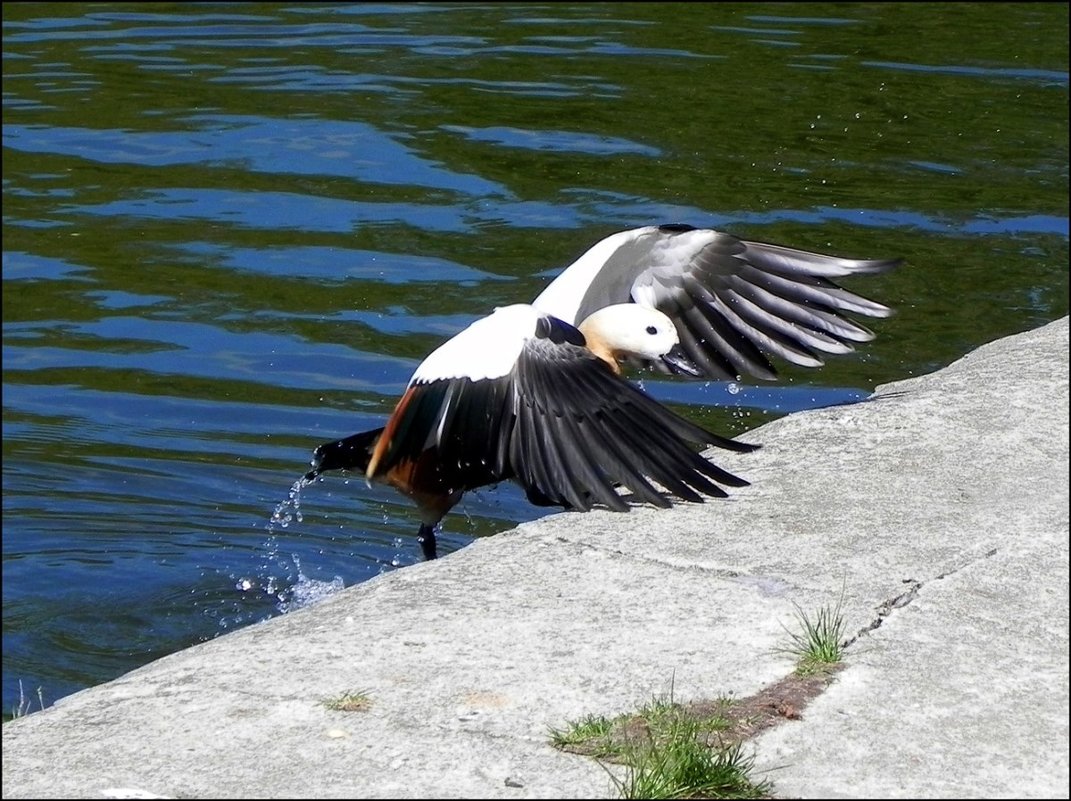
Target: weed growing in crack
[[820, 644], [667, 750], [681, 764]]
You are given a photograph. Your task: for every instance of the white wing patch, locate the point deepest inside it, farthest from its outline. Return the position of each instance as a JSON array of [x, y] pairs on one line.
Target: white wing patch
[[489, 348], [563, 297]]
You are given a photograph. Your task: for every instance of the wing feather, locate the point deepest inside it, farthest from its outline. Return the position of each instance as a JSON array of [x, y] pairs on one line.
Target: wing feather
[[735, 303], [618, 435]]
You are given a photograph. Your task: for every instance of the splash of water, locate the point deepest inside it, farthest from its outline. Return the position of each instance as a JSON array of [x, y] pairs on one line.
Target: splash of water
[[292, 590], [282, 579], [305, 590], [286, 512]]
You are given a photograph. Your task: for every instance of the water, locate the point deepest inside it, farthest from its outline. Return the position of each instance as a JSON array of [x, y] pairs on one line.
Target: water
[[232, 231]]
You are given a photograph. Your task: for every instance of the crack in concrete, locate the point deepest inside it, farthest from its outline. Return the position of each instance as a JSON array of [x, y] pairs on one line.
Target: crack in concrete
[[890, 605], [720, 572]]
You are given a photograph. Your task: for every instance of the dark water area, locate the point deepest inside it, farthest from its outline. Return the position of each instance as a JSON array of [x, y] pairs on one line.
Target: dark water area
[[231, 232]]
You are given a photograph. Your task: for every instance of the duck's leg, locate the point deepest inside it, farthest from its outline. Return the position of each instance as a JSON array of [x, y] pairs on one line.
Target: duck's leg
[[426, 538]]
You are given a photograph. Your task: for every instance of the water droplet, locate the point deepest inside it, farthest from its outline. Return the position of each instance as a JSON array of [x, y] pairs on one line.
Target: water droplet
[[733, 388], [289, 510]]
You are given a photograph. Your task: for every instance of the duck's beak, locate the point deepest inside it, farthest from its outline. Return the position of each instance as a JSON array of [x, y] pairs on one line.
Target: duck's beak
[[679, 363]]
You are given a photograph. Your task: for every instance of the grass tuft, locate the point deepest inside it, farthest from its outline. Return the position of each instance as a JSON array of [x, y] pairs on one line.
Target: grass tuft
[[591, 735], [350, 702], [820, 645], [681, 764], [25, 705], [668, 750]]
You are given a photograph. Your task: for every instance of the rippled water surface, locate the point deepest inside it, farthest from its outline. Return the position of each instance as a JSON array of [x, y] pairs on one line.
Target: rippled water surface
[[231, 231]]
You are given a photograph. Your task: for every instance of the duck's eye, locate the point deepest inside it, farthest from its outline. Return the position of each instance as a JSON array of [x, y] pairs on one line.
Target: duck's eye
[[652, 330]]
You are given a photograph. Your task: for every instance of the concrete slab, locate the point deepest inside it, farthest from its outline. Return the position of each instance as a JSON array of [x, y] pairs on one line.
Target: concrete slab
[[938, 511]]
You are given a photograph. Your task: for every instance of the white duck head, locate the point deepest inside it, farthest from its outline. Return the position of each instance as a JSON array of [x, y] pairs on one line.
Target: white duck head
[[627, 331]]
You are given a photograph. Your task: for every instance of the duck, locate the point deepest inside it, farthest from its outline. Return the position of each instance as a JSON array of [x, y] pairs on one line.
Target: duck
[[539, 393]]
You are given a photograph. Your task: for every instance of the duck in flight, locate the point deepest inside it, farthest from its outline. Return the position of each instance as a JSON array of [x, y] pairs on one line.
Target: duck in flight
[[536, 393]]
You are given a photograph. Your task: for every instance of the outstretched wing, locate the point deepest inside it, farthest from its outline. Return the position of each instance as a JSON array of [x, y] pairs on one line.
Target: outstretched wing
[[558, 421], [579, 431], [735, 303]]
